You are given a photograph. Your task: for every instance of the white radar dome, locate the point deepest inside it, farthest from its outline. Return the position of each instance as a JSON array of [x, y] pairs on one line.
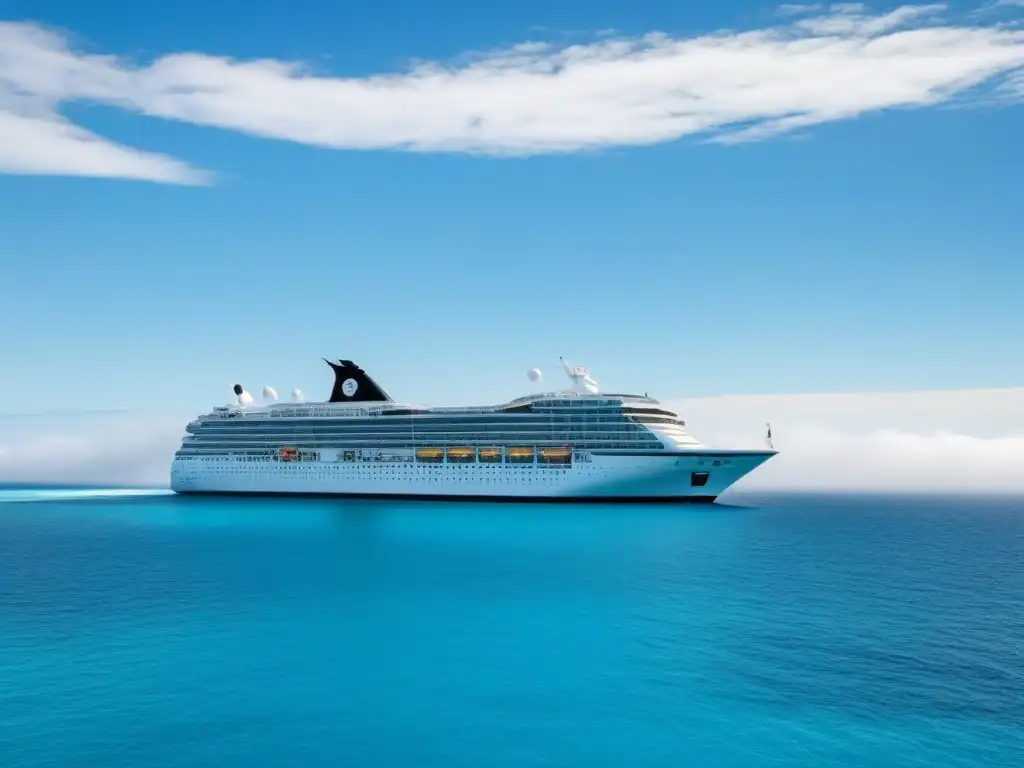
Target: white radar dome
[[296, 395], [269, 393], [534, 374]]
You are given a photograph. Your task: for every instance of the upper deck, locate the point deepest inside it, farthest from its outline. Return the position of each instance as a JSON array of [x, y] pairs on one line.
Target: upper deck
[[546, 403]]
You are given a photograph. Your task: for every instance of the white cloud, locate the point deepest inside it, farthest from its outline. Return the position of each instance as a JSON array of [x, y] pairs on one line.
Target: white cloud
[[49, 145], [854, 19], [829, 64], [799, 9], [958, 440], [37, 73]]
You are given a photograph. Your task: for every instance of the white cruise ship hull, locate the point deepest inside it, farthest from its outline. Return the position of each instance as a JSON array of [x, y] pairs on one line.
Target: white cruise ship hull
[[598, 476]]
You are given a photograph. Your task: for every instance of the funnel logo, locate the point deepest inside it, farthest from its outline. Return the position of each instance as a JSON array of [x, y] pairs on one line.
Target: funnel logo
[[349, 387]]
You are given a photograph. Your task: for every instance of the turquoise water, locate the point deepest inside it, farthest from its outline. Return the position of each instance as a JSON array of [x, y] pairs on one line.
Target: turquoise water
[[153, 630]]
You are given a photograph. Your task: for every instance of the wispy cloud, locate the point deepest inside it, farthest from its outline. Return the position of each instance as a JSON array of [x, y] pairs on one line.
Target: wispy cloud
[[799, 9], [854, 19], [38, 72], [958, 440], [827, 64], [49, 145]]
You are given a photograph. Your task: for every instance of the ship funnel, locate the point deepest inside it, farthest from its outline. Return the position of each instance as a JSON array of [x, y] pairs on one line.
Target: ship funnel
[[353, 384]]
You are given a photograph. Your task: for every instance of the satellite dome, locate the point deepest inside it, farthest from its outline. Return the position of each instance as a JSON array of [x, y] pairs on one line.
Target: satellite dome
[[269, 393], [296, 395], [534, 374]]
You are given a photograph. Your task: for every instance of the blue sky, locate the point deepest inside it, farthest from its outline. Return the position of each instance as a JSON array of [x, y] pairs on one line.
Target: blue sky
[[874, 244]]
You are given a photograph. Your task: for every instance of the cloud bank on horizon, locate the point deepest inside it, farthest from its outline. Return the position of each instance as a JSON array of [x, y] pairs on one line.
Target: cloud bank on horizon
[[946, 441], [969, 440], [817, 64]]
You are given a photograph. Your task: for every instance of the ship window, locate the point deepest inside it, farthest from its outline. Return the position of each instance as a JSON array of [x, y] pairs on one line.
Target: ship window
[[699, 479]]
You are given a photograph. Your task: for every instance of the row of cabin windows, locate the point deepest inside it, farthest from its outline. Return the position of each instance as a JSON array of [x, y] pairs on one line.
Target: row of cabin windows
[[505, 436], [307, 456], [508, 415], [436, 424], [241, 447], [542, 432], [425, 416], [427, 439], [697, 479], [456, 456]]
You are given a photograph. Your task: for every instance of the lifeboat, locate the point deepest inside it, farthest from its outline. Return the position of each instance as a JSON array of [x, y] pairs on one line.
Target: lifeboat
[[287, 453], [520, 455], [489, 455], [429, 454], [461, 454], [561, 454]]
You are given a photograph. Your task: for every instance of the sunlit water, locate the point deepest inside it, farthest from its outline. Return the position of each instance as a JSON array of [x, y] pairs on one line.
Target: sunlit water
[[145, 629]]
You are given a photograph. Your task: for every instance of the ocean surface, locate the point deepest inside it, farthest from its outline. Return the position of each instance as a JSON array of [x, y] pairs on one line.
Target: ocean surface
[[143, 629]]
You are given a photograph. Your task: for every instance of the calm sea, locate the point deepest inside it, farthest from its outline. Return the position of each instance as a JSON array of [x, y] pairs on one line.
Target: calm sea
[[152, 630]]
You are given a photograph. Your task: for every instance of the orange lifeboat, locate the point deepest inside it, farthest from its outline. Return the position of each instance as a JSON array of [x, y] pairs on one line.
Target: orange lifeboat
[[489, 455], [556, 455], [519, 455], [431, 455], [461, 454]]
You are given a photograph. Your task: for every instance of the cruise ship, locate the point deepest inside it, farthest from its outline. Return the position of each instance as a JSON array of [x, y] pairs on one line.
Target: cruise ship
[[575, 444]]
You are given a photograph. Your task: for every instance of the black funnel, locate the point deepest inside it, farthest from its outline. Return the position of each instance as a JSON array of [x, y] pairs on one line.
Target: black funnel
[[353, 385]]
